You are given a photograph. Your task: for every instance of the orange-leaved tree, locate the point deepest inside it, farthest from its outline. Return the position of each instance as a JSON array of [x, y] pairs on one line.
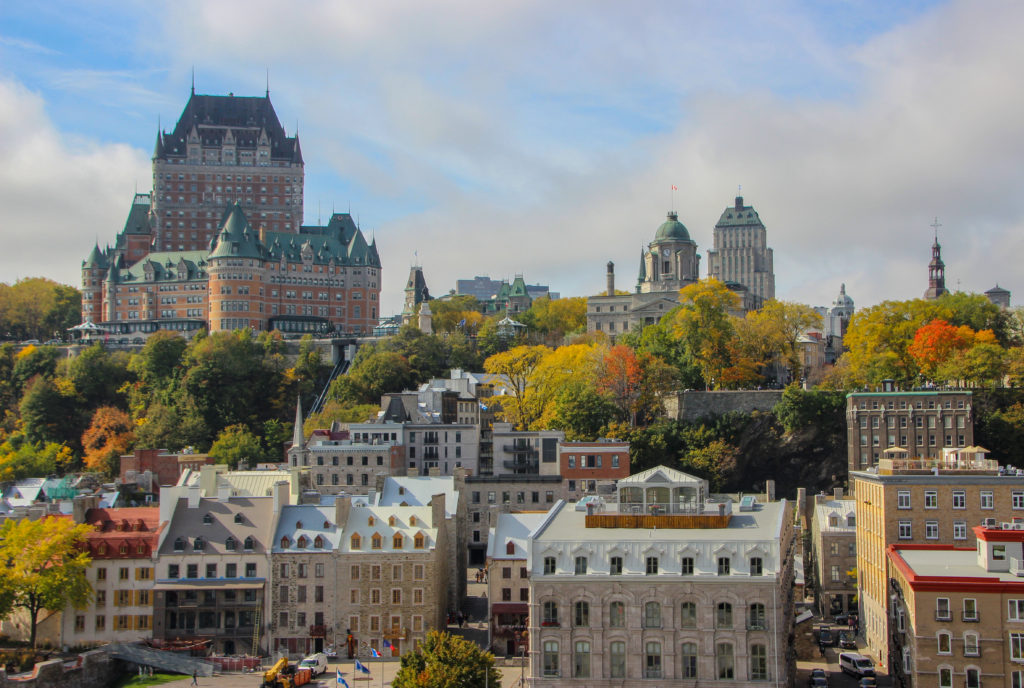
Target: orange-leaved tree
[[109, 435]]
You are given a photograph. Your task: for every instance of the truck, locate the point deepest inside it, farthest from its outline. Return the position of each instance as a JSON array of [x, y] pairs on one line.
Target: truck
[[284, 675]]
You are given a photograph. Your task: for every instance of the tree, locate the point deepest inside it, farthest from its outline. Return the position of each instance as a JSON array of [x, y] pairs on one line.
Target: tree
[[936, 342], [20, 458], [98, 376], [38, 308], [46, 566], [518, 366], [108, 437], [716, 461], [705, 327], [459, 313], [236, 443], [779, 325], [620, 377], [446, 661], [371, 377], [581, 412]]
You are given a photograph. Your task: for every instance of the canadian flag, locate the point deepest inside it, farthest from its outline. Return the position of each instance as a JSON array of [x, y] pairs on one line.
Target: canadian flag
[[675, 188]]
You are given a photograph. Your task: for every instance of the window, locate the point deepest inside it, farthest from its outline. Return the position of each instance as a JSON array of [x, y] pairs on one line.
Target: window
[[581, 659], [550, 617], [211, 570], [971, 645], [724, 662], [942, 609], [550, 662], [617, 654], [689, 660], [581, 614], [616, 615], [652, 615], [835, 573], [723, 615], [755, 566], [652, 660], [756, 617], [1016, 610], [615, 566], [652, 566], [970, 609], [723, 566], [931, 499], [1017, 647], [250, 570], [959, 499], [230, 570], [959, 530], [1018, 499], [945, 643], [688, 615], [376, 541], [973, 678], [687, 566], [249, 543], [999, 552], [904, 530], [903, 499], [101, 574], [987, 500], [230, 544], [1017, 679], [758, 663], [581, 566], [122, 573], [945, 677], [931, 530]]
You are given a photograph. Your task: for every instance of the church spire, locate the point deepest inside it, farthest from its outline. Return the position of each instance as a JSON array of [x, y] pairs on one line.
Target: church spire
[[298, 433], [936, 268]]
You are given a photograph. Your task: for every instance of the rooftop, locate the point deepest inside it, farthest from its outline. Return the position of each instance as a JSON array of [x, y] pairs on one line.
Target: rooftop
[[843, 510], [942, 567]]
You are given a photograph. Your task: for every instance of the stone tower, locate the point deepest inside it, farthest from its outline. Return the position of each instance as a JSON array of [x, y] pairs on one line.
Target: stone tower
[[936, 272], [741, 254], [670, 261]]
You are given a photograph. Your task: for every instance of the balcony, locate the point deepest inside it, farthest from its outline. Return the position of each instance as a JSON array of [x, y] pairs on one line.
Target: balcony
[[757, 625], [319, 631], [943, 615], [520, 450], [969, 617]]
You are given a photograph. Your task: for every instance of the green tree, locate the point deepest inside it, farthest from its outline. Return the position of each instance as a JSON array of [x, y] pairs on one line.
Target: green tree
[[716, 461], [704, 326], [582, 412], [45, 567], [779, 325], [98, 375], [20, 458], [275, 434], [32, 361], [38, 308], [518, 365], [51, 412], [371, 377], [446, 661], [799, 410], [234, 444]]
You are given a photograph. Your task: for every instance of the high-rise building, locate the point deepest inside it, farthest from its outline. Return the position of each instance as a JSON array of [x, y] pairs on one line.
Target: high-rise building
[[741, 254], [224, 149]]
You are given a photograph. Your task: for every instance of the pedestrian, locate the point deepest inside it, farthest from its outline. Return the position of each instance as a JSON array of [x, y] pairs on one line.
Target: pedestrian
[[195, 681]]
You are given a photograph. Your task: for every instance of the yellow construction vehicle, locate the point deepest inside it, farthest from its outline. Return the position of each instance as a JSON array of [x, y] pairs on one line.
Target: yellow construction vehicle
[[284, 675]]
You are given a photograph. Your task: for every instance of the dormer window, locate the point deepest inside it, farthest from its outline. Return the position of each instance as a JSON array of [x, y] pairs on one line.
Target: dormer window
[[327, 524], [391, 520], [198, 545], [298, 525], [124, 548], [102, 549], [230, 544], [510, 547], [412, 520], [851, 520], [284, 542], [318, 542], [419, 541], [301, 544], [396, 541], [356, 542], [239, 518], [207, 519], [179, 545], [376, 542], [369, 521], [249, 543]]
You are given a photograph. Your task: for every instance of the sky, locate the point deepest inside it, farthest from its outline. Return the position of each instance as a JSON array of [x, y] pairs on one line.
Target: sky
[[542, 138]]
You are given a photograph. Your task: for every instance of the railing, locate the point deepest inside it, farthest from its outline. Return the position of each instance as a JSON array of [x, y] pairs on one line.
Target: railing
[[759, 625], [969, 617], [659, 508], [943, 615]]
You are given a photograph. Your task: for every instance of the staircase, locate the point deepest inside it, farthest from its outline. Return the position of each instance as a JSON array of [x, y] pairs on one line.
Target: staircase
[[340, 369], [160, 659], [256, 633]]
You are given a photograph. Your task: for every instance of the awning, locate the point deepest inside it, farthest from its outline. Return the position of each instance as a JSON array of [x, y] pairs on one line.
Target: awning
[[209, 585], [510, 608]]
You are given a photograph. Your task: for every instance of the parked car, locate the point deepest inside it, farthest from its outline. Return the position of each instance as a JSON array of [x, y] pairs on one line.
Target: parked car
[[841, 619], [818, 679], [847, 640], [868, 682], [316, 663], [856, 664], [825, 637]]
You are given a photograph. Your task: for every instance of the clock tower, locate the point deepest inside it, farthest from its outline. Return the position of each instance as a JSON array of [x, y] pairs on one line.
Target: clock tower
[[671, 261]]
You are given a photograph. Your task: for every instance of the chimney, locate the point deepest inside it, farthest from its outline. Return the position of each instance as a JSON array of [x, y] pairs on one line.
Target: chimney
[[801, 505], [81, 504], [208, 479], [280, 491], [837, 493], [434, 472], [769, 491], [380, 479], [223, 492], [193, 496], [611, 278], [342, 508]]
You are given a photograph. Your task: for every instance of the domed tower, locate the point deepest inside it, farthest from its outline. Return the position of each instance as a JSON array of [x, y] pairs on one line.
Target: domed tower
[[671, 261], [842, 308], [236, 266]]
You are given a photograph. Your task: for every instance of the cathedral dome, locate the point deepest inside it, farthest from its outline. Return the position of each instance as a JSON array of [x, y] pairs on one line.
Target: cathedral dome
[[843, 301], [672, 230]]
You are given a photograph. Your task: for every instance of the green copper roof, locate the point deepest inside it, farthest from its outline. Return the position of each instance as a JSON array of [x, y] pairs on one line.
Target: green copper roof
[[739, 215], [672, 230], [643, 268], [96, 259], [167, 266], [518, 287], [236, 238]]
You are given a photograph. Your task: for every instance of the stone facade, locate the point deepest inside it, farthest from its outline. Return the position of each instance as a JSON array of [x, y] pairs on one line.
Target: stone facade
[[741, 254], [691, 405], [346, 466], [489, 495], [834, 547], [921, 424]]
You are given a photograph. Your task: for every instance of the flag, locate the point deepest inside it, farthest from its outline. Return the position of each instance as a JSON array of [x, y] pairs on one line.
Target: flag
[[341, 681], [361, 667], [387, 645], [675, 188], [375, 654]]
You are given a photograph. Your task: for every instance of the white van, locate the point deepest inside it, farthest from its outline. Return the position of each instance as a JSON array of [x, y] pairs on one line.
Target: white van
[[856, 664]]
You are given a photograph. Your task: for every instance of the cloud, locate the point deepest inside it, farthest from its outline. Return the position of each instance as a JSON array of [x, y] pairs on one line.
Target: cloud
[[58, 193]]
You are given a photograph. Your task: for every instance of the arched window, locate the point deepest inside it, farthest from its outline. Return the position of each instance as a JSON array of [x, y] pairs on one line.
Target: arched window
[[689, 657], [239, 518], [412, 520], [229, 544], [945, 643], [581, 614], [249, 543], [756, 617], [356, 541], [369, 521], [688, 615], [302, 542], [179, 545], [207, 519], [758, 663], [724, 661], [510, 547], [391, 520], [616, 615], [396, 541], [298, 525], [318, 542], [652, 615], [418, 541], [284, 542], [723, 615], [376, 542], [198, 545], [971, 644]]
